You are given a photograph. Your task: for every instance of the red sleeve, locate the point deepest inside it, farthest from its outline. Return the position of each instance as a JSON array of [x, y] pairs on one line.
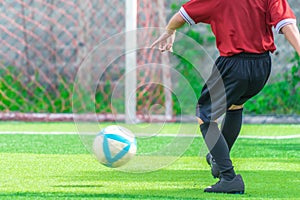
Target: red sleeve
[[196, 11], [280, 14]]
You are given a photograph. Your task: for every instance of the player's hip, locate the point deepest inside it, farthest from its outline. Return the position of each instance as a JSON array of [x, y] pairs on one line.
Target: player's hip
[[247, 66]]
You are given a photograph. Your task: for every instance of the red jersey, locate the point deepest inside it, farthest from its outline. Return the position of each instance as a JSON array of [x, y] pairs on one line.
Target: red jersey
[[240, 25]]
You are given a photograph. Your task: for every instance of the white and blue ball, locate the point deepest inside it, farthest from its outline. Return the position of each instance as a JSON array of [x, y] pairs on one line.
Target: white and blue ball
[[114, 146]]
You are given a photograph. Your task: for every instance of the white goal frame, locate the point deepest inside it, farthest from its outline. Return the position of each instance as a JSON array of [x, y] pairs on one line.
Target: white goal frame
[[131, 62]]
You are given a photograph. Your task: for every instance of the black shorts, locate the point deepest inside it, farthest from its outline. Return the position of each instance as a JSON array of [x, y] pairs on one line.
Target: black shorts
[[233, 81]]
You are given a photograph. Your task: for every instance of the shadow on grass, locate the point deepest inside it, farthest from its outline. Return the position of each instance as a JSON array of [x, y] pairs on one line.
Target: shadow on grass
[[55, 195], [184, 184], [79, 186], [164, 184]]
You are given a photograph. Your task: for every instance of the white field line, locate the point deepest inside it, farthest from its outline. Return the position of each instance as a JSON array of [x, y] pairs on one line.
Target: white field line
[[150, 135], [271, 137]]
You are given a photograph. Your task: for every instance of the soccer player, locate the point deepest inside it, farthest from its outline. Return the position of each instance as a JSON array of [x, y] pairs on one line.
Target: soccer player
[[244, 38]]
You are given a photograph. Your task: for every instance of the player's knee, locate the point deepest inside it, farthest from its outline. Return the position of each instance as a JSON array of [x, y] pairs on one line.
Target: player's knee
[[236, 107], [200, 121]]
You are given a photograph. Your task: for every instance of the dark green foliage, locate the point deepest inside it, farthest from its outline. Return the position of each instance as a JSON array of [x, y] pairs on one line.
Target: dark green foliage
[[24, 94], [31, 93], [21, 91]]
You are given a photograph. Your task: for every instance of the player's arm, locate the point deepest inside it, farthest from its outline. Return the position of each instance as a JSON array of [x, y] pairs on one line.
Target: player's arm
[[166, 40], [291, 33], [175, 23]]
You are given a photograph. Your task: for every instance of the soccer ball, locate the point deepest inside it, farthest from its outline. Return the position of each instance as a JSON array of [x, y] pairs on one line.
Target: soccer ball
[[114, 146]]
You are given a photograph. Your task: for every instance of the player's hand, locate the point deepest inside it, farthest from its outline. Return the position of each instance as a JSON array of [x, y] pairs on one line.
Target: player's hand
[[165, 41]]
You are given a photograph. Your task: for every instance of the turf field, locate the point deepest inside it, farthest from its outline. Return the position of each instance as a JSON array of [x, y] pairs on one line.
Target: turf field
[[55, 165]]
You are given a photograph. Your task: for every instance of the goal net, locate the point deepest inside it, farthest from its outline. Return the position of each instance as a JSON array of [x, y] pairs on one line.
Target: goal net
[[43, 43]]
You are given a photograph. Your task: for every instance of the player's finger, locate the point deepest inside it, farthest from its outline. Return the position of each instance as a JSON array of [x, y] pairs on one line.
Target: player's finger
[[158, 41], [162, 48], [162, 39], [169, 46], [154, 44]]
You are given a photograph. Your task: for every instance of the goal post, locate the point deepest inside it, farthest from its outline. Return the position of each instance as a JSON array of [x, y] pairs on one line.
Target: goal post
[[166, 74], [131, 62]]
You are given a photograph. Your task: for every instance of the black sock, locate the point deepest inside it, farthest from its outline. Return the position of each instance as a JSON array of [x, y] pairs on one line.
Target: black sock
[[231, 126], [218, 148]]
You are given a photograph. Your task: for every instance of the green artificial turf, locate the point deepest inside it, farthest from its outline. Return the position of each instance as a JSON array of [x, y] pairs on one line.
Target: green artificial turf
[[59, 167]]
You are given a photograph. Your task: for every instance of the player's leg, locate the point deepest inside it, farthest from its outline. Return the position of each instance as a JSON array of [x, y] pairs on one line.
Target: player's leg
[[230, 128], [211, 105], [249, 73], [217, 145], [222, 164], [232, 123], [219, 150]]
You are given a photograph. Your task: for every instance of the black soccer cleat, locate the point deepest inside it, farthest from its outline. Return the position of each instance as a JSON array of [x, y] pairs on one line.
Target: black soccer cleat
[[235, 186], [215, 172]]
